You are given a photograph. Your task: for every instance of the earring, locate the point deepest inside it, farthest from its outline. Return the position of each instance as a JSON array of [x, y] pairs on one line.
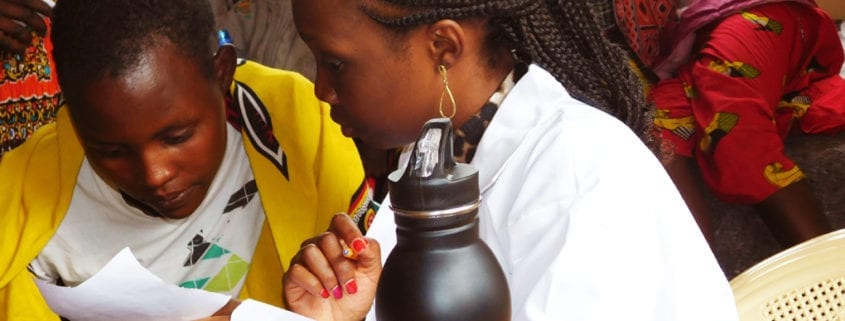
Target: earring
[[446, 91]]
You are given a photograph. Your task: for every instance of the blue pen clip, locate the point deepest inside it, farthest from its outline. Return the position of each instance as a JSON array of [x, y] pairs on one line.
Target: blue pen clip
[[223, 38]]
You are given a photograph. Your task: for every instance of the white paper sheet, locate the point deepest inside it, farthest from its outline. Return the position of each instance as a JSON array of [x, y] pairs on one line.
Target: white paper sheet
[[251, 310], [125, 290]]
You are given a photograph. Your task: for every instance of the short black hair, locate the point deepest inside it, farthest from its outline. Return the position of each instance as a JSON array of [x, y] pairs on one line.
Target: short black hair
[[105, 38]]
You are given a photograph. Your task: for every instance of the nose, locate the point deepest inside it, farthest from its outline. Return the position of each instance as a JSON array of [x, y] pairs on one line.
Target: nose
[[156, 169], [324, 90]]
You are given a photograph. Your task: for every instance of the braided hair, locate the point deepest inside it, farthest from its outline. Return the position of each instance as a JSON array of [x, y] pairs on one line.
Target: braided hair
[[563, 36]]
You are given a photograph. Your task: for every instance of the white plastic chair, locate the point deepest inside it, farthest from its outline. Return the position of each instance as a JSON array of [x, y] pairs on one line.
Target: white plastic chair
[[803, 283]]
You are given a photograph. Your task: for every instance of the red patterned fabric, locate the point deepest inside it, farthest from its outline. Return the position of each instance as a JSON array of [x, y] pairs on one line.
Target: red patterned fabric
[[643, 23], [757, 74]]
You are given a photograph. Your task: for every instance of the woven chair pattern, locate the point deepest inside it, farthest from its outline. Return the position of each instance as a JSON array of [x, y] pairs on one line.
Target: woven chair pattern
[[803, 283], [822, 301]]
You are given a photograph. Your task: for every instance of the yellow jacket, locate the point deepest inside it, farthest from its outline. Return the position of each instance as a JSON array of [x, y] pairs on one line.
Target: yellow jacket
[[324, 173]]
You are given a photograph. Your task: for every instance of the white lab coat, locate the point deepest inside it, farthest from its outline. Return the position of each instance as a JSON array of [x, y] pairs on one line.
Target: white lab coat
[[583, 218]]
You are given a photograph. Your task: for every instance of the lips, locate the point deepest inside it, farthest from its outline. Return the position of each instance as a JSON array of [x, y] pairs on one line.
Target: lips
[[338, 118], [170, 201]]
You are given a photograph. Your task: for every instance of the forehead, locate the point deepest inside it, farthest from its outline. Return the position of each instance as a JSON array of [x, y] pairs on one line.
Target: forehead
[[162, 83], [323, 20]]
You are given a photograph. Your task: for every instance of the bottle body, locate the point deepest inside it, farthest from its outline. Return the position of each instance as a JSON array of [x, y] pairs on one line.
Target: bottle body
[[441, 270]]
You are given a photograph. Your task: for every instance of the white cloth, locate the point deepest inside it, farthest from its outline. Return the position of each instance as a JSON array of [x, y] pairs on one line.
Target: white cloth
[[211, 249], [842, 39], [583, 218]]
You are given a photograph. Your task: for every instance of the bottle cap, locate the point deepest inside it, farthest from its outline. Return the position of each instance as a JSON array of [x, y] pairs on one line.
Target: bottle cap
[[432, 184]]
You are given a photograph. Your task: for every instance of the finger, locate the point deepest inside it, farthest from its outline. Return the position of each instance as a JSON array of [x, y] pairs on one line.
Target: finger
[[366, 253], [369, 259], [313, 258], [343, 226], [19, 32], [38, 6], [344, 269], [23, 14], [299, 281], [313, 240], [11, 44]]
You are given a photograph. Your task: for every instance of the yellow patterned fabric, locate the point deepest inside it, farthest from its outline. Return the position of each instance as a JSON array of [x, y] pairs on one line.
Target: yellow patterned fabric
[[324, 174]]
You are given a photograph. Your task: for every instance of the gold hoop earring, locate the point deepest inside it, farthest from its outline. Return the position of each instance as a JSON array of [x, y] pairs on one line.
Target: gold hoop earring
[[446, 90]]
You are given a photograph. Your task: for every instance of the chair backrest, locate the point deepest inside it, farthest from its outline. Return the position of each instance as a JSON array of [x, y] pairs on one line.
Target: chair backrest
[[804, 282]]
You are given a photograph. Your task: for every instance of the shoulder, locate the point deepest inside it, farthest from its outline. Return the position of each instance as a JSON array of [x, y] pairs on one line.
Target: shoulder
[[568, 128], [257, 75]]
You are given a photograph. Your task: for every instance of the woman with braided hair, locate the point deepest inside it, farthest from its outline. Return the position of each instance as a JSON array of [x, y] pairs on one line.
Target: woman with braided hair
[[578, 211]]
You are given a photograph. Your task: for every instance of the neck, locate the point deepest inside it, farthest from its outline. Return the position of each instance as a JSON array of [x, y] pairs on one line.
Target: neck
[[474, 89]]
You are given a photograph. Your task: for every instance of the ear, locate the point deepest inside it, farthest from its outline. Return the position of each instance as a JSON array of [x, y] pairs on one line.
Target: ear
[[224, 66], [447, 41]]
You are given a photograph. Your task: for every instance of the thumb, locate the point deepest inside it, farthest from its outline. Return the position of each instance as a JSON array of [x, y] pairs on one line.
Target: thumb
[[369, 259]]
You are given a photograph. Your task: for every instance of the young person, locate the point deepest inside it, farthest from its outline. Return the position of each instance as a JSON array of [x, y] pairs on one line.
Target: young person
[[742, 75], [210, 170], [580, 214]]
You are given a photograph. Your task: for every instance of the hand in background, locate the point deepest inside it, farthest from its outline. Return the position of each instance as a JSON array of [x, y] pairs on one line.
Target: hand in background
[[18, 18], [324, 284]]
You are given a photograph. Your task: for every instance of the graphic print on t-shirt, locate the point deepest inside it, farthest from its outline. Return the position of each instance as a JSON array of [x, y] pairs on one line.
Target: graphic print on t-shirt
[[204, 251]]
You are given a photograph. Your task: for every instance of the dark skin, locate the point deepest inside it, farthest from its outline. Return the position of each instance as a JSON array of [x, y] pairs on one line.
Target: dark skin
[[368, 78], [682, 171], [18, 19], [143, 130], [792, 214]]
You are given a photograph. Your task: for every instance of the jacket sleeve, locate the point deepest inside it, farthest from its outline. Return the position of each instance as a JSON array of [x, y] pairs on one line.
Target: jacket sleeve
[[29, 198]]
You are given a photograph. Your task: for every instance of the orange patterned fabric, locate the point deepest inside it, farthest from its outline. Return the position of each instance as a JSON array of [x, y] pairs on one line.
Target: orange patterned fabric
[[29, 92]]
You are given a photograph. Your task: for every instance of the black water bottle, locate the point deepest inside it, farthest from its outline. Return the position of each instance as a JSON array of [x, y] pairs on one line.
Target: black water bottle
[[440, 269]]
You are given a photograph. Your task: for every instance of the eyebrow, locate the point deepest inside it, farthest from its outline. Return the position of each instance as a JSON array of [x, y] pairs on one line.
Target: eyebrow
[[187, 124]]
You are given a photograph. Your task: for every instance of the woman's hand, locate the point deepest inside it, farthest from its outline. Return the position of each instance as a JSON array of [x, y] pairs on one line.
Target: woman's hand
[[324, 284], [18, 18]]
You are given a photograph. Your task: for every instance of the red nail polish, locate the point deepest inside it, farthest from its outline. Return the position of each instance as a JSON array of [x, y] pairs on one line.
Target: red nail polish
[[337, 292], [351, 286], [324, 293], [358, 245]]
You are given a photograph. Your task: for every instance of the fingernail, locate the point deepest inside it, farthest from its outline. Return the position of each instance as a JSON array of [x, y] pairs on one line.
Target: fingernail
[[324, 293], [337, 292], [359, 245], [351, 286]]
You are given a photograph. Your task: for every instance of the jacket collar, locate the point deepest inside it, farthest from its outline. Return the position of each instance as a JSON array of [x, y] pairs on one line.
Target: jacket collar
[[524, 107]]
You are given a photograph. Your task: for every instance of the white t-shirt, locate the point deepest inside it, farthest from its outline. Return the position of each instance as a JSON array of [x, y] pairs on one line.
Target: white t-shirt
[[211, 249]]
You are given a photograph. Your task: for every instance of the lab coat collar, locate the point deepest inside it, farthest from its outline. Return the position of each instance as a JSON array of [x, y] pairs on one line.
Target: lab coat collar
[[523, 108]]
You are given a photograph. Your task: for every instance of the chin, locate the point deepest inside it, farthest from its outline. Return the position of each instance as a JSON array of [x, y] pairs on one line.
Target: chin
[[176, 215]]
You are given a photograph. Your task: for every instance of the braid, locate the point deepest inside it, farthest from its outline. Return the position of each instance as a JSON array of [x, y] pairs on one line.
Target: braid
[[562, 36]]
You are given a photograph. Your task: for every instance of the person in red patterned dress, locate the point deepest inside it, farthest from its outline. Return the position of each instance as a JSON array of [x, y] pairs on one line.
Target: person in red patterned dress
[[741, 75]]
